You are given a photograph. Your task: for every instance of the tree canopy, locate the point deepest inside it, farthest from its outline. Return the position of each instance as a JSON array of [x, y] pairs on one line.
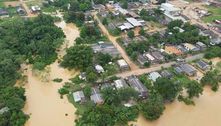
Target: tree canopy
[[153, 107], [167, 88], [78, 57]]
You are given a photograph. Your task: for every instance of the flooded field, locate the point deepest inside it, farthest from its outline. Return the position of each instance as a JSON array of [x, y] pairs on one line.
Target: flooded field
[[44, 104]]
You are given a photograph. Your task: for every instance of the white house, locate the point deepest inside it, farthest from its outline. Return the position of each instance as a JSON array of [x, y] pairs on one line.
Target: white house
[[154, 76]]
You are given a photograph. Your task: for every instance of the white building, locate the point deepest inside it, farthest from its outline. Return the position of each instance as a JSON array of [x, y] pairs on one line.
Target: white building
[[120, 83], [149, 57], [134, 22], [123, 64], [171, 12], [154, 76], [99, 69], [78, 96], [35, 8]]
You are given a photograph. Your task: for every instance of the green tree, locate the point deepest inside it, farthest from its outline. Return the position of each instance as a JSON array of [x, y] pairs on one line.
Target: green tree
[[167, 88], [87, 91], [142, 32], [78, 57], [130, 34], [103, 59], [211, 78], [194, 89], [153, 107], [104, 21]]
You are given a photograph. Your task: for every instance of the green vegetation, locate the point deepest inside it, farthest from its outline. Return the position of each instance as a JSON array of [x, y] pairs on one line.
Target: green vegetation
[[89, 34], [111, 112], [167, 88], [190, 33], [14, 99], [133, 49], [36, 42], [153, 107], [130, 34], [215, 14], [213, 52], [151, 15], [57, 80], [212, 78], [78, 57]]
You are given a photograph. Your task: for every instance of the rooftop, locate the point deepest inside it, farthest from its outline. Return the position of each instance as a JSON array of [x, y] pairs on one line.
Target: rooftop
[[78, 96], [134, 22], [120, 83], [154, 75], [122, 63]]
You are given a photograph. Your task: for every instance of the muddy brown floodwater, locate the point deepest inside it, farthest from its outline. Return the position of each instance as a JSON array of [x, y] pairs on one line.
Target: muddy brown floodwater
[[43, 102], [206, 112]]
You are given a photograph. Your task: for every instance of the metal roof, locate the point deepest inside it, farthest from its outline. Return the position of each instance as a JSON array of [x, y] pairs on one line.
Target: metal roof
[[154, 75], [134, 22]]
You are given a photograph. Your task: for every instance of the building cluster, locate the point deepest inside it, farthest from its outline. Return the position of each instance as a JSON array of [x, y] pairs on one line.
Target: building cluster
[[134, 82], [171, 12], [96, 96]]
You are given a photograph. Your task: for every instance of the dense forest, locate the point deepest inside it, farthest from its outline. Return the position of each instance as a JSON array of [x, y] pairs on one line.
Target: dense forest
[[31, 41]]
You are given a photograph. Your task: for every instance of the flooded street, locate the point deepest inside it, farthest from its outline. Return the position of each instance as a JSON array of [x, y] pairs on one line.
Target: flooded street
[[43, 102], [206, 112]]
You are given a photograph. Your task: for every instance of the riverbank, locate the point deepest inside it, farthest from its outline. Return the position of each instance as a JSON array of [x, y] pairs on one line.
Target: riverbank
[[43, 103]]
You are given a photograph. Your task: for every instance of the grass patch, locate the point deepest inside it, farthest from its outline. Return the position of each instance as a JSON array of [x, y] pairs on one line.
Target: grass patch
[[58, 80], [216, 14], [218, 66], [2, 5], [34, 2], [49, 9]]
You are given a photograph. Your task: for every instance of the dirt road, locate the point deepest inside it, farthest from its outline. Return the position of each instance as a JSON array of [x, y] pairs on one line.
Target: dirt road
[[132, 65]]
